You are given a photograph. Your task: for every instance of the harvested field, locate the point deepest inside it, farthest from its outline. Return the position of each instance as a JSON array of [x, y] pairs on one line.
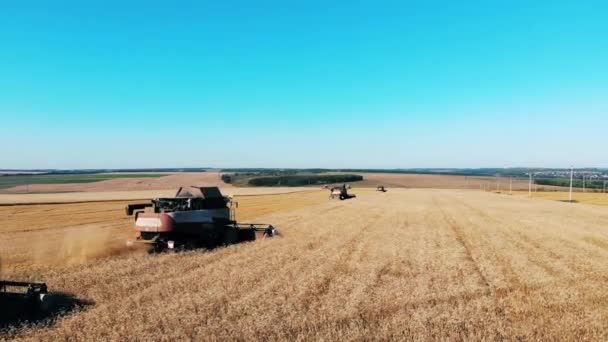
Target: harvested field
[[420, 181], [596, 198], [137, 188], [35, 236], [406, 264], [75, 197]]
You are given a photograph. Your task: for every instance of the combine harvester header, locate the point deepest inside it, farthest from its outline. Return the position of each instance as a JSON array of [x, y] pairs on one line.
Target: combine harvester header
[[21, 301]]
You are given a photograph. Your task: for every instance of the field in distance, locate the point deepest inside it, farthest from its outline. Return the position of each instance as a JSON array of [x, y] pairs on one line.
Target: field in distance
[[167, 181], [419, 264], [12, 180], [422, 181], [11, 184]]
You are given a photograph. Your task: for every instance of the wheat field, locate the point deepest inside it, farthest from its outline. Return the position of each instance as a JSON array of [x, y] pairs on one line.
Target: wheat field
[[406, 264], [596, 198], [34, 237]]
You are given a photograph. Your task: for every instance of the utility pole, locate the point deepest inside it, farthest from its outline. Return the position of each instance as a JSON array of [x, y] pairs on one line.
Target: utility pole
[[583, 182], [511, 185], [571, 177], [530, 186], [604, 187]]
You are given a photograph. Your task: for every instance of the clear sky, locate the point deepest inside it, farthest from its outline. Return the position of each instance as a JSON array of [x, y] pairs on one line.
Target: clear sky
[[369, 84]]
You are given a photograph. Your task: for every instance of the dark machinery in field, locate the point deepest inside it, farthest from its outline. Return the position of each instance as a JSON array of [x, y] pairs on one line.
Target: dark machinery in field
[[195, 217], [381, 188], [21, 301], [340, 191]]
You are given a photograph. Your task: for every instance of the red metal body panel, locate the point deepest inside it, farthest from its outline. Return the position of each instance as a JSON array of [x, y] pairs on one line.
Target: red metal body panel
[[196, 217]]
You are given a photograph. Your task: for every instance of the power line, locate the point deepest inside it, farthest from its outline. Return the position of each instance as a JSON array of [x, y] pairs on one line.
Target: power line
[[584, 182], [571, 177]]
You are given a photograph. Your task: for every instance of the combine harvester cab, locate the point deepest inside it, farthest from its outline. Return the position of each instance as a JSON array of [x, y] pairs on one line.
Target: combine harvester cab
[[21, 301], [195, 217], [340, 192]]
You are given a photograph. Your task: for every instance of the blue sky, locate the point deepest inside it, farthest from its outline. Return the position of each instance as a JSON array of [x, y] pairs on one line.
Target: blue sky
[[370, 84]]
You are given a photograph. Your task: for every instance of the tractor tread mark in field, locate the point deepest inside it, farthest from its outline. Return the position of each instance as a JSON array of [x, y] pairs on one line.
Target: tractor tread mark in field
[[458, 234]]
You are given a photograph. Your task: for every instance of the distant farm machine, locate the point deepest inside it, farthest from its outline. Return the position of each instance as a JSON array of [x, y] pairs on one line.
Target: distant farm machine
[[31, 301], [340, 191], [20, 300], [195, 217]]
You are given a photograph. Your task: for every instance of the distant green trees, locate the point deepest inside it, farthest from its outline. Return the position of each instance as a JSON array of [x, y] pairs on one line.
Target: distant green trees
[[302, 180], [577, 183]]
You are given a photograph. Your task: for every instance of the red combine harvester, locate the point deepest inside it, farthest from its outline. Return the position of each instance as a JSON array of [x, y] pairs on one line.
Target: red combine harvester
[[195, 217]]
